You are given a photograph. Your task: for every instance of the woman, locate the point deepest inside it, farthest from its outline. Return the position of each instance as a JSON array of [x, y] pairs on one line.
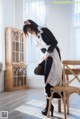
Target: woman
[[51, 66]]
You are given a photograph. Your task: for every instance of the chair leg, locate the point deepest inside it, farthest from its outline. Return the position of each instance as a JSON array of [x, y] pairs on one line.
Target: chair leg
[[67, 77], [65, 116], [68, 105], [49, 107], [59, 105]]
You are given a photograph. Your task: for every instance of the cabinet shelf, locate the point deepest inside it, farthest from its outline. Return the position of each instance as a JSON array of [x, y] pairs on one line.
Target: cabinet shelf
[[16, 68]]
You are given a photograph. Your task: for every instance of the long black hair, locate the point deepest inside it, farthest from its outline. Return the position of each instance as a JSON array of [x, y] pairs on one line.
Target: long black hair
[[32, 27]]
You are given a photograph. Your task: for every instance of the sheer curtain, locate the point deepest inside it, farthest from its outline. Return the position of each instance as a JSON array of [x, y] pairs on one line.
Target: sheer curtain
[[0, 28], [35, 10], [2, 39], [77, 28]]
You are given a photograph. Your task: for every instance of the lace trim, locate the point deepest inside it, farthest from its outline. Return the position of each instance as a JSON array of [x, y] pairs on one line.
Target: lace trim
[[40, 31]]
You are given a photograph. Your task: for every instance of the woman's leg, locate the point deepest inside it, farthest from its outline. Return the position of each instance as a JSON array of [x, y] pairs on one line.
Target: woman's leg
[[48, 93], [48, 65], [39, 70], [48, 86]]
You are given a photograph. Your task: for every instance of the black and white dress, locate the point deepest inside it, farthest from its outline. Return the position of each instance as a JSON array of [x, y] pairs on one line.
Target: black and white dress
[[52, 65]]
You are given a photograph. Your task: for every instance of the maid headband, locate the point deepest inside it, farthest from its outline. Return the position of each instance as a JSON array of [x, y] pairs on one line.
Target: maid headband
[[27, 23]]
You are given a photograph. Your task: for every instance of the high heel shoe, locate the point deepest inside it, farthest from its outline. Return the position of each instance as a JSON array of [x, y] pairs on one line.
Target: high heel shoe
[[45, 111]]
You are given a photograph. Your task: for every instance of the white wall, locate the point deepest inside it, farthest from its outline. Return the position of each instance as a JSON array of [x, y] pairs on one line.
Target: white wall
[[1, 81], [34, 81], [7, 19], [59, 20], [19, 13]]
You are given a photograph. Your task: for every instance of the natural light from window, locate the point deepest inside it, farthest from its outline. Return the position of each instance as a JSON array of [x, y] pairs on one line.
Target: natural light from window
[[1, 20], [33, 108], [35, 10], [77, 27]]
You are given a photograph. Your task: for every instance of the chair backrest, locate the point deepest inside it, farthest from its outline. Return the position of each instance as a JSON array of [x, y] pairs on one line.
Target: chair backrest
[[71, 67]]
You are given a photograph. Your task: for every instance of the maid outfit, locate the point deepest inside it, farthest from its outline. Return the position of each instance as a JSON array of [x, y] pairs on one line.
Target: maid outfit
[[51, 67]]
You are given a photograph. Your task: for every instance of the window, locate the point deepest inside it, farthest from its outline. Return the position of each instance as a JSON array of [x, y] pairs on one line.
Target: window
[[2, 39], [0, 46], [77, 27], [0, 29], [35, 10]]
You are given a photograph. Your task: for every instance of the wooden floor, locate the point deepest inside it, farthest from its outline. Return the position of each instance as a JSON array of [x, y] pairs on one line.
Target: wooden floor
[[27, 104]]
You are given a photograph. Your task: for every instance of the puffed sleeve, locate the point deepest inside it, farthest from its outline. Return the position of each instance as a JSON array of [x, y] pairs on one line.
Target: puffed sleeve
[[49, 39]]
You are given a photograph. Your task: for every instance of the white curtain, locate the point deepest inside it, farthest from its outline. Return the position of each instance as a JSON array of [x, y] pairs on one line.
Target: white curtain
[[0, 28], [35, 10], [77, 28], [2, 39]]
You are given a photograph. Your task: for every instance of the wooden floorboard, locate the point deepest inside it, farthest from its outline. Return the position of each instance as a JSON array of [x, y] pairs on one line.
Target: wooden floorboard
[[27, 104]]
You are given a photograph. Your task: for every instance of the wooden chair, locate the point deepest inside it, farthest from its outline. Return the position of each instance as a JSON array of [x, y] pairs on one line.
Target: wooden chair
[[67, 88]]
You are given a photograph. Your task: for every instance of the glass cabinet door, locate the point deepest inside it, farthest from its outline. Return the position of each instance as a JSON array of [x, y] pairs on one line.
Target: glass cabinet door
[[19, 73], [17, 47]]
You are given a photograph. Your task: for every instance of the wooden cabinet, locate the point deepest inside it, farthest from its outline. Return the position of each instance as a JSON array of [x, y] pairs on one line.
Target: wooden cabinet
[[16, 68]]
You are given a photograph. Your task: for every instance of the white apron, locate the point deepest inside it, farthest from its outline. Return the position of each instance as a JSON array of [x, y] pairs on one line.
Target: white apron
[[55, 75]]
